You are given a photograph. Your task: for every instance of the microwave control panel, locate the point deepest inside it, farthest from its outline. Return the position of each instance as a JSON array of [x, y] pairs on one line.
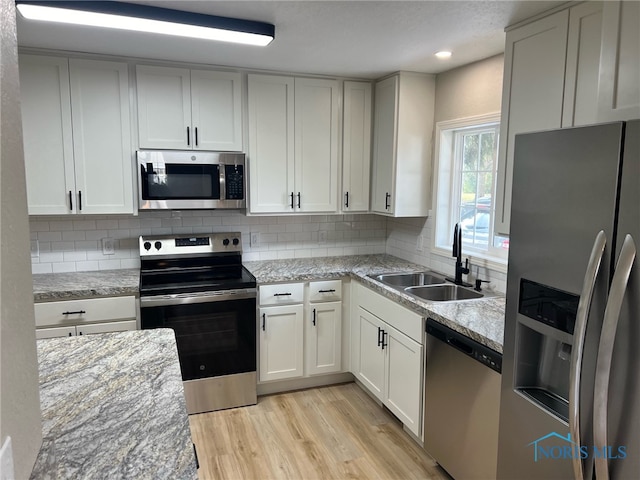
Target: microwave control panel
[[234, 180]]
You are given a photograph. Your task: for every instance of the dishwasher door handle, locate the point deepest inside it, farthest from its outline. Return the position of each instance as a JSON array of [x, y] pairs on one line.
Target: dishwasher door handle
[[463, 347]]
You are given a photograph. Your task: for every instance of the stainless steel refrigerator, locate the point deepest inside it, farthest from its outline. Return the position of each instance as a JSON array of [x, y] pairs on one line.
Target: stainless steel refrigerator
[[570, 395]]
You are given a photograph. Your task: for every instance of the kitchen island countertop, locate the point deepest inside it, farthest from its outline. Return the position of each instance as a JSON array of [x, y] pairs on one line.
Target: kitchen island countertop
[[113, 407]]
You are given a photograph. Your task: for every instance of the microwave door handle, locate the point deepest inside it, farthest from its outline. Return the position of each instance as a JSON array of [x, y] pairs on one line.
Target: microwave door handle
[[584, 306], [222, 173], [617, 292]]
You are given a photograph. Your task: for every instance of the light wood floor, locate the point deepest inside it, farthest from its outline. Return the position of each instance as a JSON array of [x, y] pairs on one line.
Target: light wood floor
[[335, 432]]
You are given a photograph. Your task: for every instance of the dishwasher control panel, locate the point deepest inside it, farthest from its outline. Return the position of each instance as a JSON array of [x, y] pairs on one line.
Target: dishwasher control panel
[[466, 345]]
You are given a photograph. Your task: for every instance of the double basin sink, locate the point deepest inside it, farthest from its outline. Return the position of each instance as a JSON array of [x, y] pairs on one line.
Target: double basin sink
[[427, 286]]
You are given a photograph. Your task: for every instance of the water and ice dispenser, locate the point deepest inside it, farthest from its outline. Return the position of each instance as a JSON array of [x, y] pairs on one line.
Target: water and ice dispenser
[[544, 337]]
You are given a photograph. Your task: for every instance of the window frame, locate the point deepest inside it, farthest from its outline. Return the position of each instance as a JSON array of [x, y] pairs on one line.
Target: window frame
[[445, 187]]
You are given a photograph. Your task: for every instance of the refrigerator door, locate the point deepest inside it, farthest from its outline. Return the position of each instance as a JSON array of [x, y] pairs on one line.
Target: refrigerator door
[[565, 188], [623, 406]]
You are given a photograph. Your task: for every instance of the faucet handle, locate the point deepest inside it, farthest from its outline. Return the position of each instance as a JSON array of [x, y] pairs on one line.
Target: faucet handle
[[465, 269]]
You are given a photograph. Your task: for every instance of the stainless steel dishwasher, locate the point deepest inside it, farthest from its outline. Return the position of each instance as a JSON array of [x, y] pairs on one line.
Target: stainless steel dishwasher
[[462, 403]]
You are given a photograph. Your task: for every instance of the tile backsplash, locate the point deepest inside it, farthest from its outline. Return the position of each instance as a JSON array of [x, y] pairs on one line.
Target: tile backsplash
[[63, 244]]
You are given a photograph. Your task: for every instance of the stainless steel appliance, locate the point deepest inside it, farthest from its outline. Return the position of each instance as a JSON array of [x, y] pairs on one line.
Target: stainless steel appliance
[[570, 400], [462, 402], [170, 179], [197, 286]]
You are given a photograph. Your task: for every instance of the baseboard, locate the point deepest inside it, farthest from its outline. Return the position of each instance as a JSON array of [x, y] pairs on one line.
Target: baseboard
[[302, 383]]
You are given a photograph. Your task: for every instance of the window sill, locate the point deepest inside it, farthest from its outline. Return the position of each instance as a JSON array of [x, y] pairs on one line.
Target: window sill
[[476, 259]]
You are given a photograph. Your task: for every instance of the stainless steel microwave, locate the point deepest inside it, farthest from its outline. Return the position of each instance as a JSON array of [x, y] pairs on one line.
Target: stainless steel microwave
[[177, 180]]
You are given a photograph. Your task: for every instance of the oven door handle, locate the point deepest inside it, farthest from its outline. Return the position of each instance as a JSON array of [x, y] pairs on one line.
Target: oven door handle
[[200, 297]]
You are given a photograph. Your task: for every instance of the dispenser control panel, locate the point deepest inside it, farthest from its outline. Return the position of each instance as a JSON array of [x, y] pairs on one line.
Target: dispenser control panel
[[548, 305]]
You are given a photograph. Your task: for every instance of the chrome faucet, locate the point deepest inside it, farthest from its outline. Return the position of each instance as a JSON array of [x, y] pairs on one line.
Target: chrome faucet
[[457, 253]]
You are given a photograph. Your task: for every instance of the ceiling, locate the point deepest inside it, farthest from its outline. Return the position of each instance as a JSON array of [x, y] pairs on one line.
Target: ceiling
[[358, 38]]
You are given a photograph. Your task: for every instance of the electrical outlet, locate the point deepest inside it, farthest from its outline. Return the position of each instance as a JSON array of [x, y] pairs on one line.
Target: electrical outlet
[[35, 249], [322, 236], [255, 239], [420, 243], [108, 247]]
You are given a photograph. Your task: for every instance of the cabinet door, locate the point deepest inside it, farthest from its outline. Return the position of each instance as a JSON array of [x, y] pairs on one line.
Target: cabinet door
[[370, 363], [356, 146], [216, 110], [271, 144], [46, 130], [619, 87], [281, 342], [55, 332], [107, 327], [533, 87], [583, 59], [403, 378], [323, 336], [164, 107], [316, 145], [384, 147], [101, 136]]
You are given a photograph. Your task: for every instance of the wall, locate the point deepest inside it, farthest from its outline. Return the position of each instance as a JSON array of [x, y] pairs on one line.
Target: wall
[[73, 243], [19, 398], [473, 89]]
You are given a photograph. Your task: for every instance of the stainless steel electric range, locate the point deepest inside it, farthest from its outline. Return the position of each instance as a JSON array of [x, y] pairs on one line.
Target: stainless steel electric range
[[197, 286]]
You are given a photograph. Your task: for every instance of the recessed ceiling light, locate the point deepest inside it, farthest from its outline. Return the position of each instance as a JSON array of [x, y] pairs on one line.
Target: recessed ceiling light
[[443, 54]]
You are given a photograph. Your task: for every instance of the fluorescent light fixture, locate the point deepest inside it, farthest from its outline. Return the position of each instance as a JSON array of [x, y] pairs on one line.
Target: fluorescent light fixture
[[443, 54], [142, 18]]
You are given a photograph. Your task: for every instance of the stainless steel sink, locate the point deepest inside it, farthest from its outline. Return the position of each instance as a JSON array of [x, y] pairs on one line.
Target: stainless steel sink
[[443, 293], [403, 280]]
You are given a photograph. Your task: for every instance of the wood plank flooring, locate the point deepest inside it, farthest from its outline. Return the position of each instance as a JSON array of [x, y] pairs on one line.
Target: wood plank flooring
[[335, 432]]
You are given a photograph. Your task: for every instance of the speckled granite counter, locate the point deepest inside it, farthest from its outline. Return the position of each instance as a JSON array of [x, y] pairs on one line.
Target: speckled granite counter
[[102, 283], [113, 407], [481, 320]]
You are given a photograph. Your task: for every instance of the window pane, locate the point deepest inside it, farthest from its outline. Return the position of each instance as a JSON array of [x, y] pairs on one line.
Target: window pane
[[470, 152], [485, 185], [487, 151]]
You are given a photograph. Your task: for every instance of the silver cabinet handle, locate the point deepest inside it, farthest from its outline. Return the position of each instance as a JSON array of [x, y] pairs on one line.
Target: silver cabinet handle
[[584, 305], [605, 351]]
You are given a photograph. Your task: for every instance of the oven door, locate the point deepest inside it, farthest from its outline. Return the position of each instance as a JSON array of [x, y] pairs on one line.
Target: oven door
[[216, 335]]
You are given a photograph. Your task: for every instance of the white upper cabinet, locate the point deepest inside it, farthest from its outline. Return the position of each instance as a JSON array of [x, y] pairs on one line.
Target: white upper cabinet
[[101, 136], [293, 144], [76, 129], [356, 146], [619, 87], [403, 126], [583, 58], [576, 67], [46, 131], [189, 109]]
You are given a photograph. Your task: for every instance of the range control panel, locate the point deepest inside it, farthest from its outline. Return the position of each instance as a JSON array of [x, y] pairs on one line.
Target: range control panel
[[153, 245]]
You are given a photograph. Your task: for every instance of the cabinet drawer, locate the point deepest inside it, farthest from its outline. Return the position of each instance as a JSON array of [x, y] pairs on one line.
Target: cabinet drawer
[[325, 291], [106, 327], [55, 332], [81, 311], [281, 294]]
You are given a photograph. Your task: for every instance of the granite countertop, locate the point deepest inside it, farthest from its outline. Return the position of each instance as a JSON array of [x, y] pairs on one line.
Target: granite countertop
[[75, 285], [113, 407], [481, 319]]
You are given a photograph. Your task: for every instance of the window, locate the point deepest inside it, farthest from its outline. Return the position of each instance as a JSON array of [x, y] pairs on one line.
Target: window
[[466, 163]]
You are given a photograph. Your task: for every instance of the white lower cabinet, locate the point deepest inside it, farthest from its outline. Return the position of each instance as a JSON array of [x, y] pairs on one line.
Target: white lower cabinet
[[323, 338], [69, 318], [386, 361], [281, 342], [300, 333]]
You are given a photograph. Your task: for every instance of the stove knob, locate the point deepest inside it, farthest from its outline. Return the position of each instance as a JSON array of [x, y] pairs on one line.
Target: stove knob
[[157, 245], [236, 241], [147, 245], [225, 242]]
